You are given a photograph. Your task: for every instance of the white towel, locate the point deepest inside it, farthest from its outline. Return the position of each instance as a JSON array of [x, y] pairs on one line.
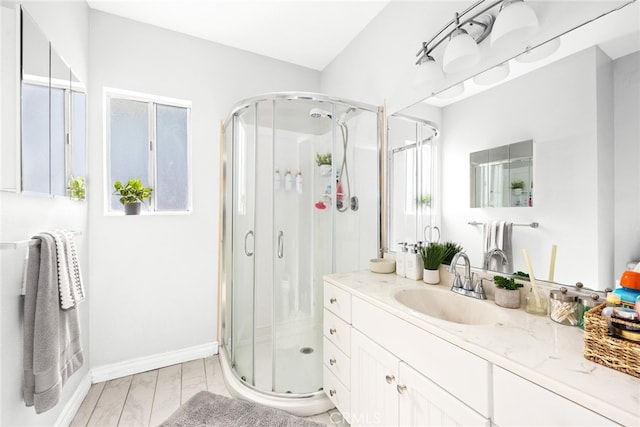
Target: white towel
[[69, 277]]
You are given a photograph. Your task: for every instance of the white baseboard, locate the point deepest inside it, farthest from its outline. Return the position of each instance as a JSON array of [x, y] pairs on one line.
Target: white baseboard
[[71, 408], [147, 363]]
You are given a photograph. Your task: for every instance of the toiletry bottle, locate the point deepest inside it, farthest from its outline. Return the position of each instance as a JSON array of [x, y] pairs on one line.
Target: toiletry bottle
[[401, 256], [414, 264]]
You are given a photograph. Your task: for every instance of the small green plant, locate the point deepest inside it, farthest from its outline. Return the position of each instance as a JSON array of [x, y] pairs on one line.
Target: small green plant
[[517, 184], [323, 158], [506, 283], [451, 249], [132, 191], [432, 255], [520, 275], [76, 188], [425, 199]]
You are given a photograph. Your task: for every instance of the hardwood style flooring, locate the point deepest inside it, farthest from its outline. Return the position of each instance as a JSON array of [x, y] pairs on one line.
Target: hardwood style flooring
[[149, 398]]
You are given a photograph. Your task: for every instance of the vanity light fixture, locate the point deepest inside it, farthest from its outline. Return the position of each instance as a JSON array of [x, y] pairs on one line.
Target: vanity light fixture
[[429, 71], [469, 28], [515, 23], [462, 52]]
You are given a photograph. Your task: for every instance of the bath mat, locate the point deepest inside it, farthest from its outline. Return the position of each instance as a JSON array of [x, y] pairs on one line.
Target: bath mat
[[208, 409]]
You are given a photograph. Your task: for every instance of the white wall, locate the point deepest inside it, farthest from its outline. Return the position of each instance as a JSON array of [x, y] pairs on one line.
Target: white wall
[[66, 25], [626, 71], [155, 277]]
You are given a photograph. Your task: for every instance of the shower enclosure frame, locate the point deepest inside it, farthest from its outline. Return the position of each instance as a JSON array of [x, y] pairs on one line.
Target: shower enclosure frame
[[301, 404]]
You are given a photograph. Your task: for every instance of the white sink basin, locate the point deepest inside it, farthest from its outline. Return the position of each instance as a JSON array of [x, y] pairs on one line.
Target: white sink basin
[[451, 307]]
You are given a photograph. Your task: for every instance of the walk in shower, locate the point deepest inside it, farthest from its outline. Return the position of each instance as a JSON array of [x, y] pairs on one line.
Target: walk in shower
[[301, 199]]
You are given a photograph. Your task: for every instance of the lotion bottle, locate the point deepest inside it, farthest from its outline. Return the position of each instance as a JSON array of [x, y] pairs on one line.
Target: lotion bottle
[[401, 256], [413, 264]]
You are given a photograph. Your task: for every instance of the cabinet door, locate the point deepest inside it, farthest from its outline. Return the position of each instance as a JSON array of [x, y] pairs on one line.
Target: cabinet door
[[374, 373], [423, 403], [518, 401]]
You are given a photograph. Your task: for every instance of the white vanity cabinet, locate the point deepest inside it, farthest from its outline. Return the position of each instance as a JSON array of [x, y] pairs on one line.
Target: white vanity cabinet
[[336, 355], [518, 401], [387, 392], [402, 375]]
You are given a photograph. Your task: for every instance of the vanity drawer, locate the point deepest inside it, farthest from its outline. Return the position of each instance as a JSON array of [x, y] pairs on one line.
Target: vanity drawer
[[337, 393], [337, 331], [337, 362], [337, 301]]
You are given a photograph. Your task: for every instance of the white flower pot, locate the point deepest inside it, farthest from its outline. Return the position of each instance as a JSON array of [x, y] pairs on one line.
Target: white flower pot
[[507, 298], [431, 277], [325, 170]]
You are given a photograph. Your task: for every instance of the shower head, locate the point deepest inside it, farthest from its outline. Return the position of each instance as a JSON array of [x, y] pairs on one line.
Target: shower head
[[344, 115], [317, 113]]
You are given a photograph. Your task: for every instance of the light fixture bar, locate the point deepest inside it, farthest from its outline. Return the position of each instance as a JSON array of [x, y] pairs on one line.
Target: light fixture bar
[[425, 45]]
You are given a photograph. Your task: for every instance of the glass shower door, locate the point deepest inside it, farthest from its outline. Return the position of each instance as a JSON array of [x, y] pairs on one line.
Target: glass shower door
[[243, 308]]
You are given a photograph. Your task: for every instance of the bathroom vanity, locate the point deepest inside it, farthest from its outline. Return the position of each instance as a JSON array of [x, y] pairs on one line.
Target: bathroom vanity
[[388, 364]]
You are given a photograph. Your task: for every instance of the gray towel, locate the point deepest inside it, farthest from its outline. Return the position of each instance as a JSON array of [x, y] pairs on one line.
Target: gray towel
[[51, 336], [497, 235]]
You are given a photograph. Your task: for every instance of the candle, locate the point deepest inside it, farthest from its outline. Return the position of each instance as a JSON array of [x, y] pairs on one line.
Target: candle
[[552, 265]]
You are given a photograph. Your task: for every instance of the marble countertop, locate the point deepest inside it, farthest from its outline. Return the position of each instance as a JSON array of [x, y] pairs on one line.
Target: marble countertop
[[533, 347]]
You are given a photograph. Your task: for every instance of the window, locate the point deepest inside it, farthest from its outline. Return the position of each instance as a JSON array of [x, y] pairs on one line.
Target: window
[[148, 138]]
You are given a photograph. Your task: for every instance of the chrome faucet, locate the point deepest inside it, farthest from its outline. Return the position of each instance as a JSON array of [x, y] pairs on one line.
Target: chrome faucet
[[465, 288], [491, 254]]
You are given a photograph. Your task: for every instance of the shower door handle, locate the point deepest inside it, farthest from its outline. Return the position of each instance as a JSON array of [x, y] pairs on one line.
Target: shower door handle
[[280, 244], [246, 237]]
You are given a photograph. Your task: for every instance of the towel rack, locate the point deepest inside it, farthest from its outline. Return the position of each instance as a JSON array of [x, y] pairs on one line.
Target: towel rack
[[26, 243], [532, 224]]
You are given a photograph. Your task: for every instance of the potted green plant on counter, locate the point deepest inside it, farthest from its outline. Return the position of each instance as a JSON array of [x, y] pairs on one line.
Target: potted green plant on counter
[[451, 249], [517, 187], [132, 194], [507, 292], [432, 256]]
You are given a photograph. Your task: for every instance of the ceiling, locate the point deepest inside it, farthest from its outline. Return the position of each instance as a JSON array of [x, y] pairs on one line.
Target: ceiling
[[310, 33]]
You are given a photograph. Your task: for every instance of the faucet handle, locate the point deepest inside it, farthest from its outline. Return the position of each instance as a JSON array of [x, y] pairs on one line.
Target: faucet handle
[[457, 283], [467, 282], [479, 290]]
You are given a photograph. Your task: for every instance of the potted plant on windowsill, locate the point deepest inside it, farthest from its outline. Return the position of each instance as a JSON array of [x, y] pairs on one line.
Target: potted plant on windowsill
[[507, 293], [323, 160], [132, 194], [432, 256], [76, 188]]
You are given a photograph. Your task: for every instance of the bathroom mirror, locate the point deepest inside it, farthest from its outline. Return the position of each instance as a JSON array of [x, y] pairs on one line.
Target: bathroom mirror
[[502, 176], [53, 117], [577, 105], [413, 201], [10, 99]]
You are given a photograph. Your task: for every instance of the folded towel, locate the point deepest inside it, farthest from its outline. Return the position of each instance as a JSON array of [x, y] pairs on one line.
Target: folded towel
[[51, 336], [69, 277]]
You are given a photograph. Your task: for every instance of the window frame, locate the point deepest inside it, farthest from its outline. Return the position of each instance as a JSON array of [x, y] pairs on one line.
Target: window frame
[[152, 101]]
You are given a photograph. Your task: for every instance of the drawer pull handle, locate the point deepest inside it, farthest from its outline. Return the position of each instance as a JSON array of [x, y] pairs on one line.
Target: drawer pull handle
[[333, 300], [332, 361], [401, 388], [390, 379], [332, 331], [332, 393]]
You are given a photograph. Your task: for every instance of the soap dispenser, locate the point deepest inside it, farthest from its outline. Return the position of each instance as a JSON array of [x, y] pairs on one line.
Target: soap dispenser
[[414, 264], [401, 257]]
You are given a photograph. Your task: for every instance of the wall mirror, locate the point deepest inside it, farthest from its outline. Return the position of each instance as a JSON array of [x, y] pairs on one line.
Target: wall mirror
[[577, 106], [44, 146], [502, 176], [413, 199]]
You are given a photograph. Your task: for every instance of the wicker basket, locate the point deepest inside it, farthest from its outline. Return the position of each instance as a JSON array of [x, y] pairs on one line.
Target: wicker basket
[[615, 353]]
